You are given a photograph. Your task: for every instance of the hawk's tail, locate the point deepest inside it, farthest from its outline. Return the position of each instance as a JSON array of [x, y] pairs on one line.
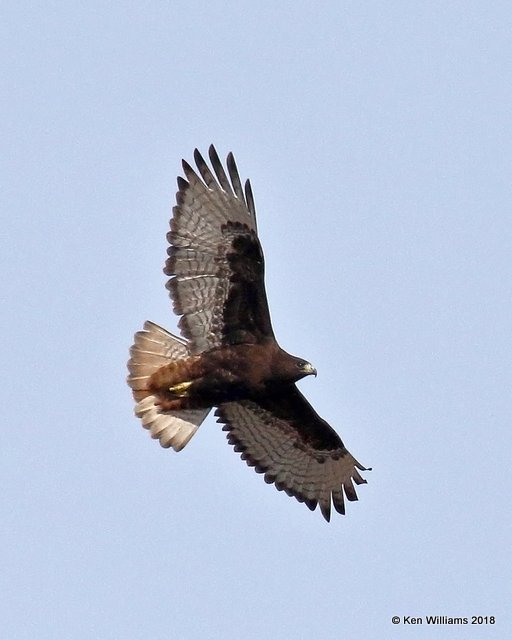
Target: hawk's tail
[[155, 347]]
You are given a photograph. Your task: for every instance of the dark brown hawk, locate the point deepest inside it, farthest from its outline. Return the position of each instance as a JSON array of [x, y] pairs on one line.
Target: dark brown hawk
[[228, 356]]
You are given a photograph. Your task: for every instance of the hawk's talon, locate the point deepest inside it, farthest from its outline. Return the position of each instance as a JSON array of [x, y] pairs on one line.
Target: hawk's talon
[[180, 390]]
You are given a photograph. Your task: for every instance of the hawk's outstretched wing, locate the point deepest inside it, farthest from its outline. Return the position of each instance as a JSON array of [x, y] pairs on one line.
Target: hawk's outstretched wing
[[283, 437], [215, 259]]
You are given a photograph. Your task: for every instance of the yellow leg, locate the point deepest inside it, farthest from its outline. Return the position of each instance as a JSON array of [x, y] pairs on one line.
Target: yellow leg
[[180, 390]]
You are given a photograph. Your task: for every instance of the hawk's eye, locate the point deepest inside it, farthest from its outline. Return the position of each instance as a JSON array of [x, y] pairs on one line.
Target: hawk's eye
[[301, 364]]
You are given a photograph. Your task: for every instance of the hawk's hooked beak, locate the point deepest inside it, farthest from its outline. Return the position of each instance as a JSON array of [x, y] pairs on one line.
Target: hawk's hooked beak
[[309, 370]]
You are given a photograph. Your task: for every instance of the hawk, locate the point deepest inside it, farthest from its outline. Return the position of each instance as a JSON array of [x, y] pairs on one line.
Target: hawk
[[227, 356]]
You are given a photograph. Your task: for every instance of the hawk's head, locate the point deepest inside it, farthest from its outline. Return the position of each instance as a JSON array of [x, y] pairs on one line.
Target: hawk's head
[[290, 369]]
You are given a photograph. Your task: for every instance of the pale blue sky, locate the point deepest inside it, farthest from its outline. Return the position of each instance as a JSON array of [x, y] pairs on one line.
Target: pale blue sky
[[377, 136]]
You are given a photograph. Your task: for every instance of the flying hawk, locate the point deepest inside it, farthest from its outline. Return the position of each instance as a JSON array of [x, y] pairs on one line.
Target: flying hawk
[[228, 357]]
